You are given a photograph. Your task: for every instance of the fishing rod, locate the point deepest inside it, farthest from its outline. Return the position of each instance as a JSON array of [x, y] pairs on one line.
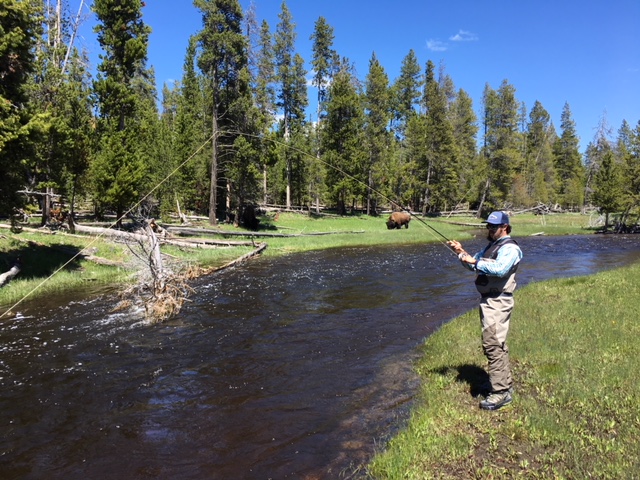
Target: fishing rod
[[440, 236]]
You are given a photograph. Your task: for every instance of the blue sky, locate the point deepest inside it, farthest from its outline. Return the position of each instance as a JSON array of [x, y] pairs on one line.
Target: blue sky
[[552, 51]]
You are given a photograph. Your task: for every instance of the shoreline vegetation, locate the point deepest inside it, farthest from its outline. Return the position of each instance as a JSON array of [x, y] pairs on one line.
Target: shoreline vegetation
[[98, 261], [574, 415]]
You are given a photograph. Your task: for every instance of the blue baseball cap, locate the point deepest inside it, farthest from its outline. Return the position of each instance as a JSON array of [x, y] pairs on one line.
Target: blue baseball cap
[[497, 218]]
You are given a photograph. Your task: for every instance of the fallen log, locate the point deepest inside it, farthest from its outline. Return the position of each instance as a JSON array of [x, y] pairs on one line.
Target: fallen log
[[109, 232], [243, 258], [29, 229], [204, 243], [7, 276], [466, 224], [210, 231], [128, 236]]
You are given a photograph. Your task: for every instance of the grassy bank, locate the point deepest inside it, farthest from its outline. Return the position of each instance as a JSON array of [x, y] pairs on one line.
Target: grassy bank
[[575, 355], [44, 257]]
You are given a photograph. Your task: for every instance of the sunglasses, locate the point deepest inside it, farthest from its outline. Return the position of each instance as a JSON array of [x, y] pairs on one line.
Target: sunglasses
[[493, 227]]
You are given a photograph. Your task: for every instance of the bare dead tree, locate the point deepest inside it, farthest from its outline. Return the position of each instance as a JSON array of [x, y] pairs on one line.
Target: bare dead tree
[[161, 287]]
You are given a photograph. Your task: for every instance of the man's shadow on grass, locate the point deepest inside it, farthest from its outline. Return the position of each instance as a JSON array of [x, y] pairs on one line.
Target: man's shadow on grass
[[474, 376]]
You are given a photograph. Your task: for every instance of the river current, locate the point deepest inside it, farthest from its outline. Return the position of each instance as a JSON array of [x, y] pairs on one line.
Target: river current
[[295, 367]]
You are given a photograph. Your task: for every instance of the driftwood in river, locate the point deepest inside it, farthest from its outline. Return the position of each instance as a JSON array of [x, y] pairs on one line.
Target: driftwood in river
[[257, 251]]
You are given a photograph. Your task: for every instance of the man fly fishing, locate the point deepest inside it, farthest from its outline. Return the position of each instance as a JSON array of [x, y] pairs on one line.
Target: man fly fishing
[[495, 268]]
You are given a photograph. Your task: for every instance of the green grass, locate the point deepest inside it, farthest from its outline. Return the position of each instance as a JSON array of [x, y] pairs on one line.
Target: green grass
[[48, 265], [421, 230], [576, 414], [40, 262]]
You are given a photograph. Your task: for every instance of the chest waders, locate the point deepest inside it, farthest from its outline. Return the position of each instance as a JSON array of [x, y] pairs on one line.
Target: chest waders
[[492, 286]]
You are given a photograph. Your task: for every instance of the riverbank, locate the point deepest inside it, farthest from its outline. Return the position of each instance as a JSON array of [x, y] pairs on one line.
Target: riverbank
[[575, 412], [51, 264]]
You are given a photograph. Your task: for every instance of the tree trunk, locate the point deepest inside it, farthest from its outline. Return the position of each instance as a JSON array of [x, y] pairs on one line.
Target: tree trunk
[[155, 263], [287, 162], [213, 201], [46, 207], [265, 196], [484, 197], [369, 191]]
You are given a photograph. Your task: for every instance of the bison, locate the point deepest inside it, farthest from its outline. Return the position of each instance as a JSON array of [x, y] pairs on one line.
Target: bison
[[398, 219]]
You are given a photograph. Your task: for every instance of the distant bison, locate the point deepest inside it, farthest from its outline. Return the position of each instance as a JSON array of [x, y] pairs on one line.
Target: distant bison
[[398, 219]]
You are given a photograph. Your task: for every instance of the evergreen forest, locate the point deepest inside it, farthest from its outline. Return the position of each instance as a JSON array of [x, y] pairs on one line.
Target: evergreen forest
[[234, 131]]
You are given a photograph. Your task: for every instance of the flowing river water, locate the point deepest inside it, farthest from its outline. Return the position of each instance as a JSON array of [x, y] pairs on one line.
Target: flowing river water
[[296, 367]]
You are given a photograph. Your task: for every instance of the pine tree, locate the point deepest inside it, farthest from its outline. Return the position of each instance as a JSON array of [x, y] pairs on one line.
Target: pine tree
[[632, 167], [120, 167], [292, 95], [440, 172], [627, 150], [594, 154], [244, 165], [406, 93], [568, 162], [223, 57], [300, 136], [75, 130], [324, 60], [191, 134], [19, 30], [500, 150], [59, 95], [538, 172], [265, 98], [265, 77], [607, 186], [465, 129], [342, 142], [324, 63], [377, 117]]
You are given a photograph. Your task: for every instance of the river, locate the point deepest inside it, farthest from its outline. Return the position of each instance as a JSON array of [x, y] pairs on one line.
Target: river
[[296, 367]]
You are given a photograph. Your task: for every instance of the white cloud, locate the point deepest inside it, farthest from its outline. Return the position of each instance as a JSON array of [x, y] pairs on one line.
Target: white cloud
[[436, 45], [464, 36]]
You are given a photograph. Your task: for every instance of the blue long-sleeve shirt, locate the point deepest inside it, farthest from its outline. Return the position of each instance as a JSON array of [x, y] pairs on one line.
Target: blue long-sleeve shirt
[[508, 256]]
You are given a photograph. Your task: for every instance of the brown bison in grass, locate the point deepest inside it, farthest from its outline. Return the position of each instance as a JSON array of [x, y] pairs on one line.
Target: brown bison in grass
[[398, 219]]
